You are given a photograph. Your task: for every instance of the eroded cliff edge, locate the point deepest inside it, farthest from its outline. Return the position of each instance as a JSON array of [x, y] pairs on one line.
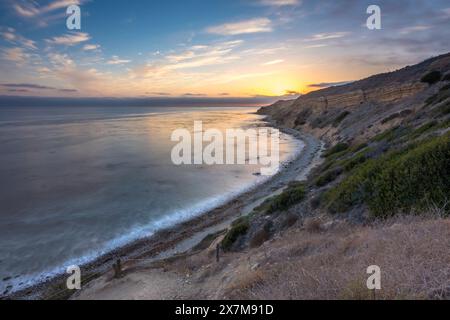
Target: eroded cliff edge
[[362, 109]]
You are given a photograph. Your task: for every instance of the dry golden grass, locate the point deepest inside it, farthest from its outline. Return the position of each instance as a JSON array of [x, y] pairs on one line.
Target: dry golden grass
[[412, 252]]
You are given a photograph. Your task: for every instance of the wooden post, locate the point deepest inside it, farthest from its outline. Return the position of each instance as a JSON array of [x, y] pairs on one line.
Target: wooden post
[[117, 269], [217, 252]]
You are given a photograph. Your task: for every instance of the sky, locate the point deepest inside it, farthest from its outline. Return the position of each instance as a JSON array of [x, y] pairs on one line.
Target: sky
[[209, 48]]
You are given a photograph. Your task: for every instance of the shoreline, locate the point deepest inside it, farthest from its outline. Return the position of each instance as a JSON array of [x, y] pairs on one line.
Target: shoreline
[[184, 236]]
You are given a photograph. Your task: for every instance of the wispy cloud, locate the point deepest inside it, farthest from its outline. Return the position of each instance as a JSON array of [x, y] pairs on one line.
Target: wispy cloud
[[32, 8], [280, 3], [194, 94], [70, 39], [202, 55], [65, 70], [314, 46], [227, 78], [42, 15], [16, 55], [91, 47], [68, 90], [26, 87], [327, 36], [159, 94], [328, 84], [196, 56], [115, 60], [412, 29], [292, 93], [10, 35], [446, 12], [256, 25], [269, 63]]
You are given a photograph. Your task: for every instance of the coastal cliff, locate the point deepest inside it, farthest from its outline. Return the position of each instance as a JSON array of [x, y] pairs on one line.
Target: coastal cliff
[[359, 110], [379, 196]]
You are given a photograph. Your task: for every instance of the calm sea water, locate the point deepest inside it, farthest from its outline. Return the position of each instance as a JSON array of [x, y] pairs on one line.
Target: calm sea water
[[77, 182]]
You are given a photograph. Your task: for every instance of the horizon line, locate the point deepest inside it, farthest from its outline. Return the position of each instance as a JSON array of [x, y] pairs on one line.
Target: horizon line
[[19, 101]]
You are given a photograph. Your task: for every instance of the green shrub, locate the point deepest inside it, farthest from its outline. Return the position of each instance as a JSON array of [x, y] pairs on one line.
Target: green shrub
[[327, 165], [359, 147], [238, 228], [336, 149], [350, 191], [412, 178], [444, 125], [423, 129], [386, 135], [332, 162], [328, 177], [340, 118], [353, 162], [432, 77], [392, 134], [293, 194]]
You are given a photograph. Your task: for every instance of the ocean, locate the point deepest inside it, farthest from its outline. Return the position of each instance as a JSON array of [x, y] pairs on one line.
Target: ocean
[[77, 182]]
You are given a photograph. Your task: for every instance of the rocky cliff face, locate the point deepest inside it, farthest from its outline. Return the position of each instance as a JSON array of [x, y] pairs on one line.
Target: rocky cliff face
[[359, 110]]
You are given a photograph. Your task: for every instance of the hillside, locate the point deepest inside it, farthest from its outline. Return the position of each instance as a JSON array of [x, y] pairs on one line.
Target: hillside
[[380, 196], [362, 109]]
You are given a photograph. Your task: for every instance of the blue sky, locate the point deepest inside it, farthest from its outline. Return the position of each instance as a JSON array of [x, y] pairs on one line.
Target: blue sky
[[239, 48]]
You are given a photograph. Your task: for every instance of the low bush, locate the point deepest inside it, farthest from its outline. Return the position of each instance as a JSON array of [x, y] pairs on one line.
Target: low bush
[[413, 178], [353, 162], [432, 77], [336, 149], [328, 177], [238, 228], [359, 147], [392, 134], [446, 77], [423, 129], [294, 193]]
